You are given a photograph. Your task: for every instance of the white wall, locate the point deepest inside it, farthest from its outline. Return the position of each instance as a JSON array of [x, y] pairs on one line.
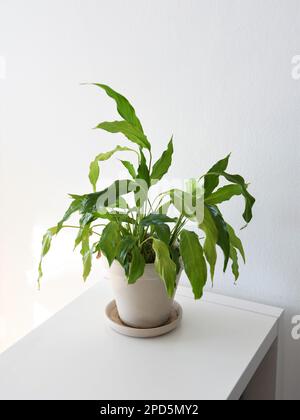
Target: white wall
[[216, 73]]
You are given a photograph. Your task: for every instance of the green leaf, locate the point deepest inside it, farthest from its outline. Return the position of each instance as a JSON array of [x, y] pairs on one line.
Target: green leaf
[[78, 238], [131, 132], [94, 167], [235, 262], [249, 199], [86, 252], [87, 219], [223, 235], [137, 266], [116, 217], [75, 206], [40, 272], [163, 233], [156, 219], [211, 232], [94, 174], [175, 254], [47, 240], [161, 167], [130, 168], [125, 249], [194, 261], [88, 203], [46, 245], [125, 109], [110, 241], [143, 170], [212, 181], [224, 194], [236, 242], [239, 180], [165, 267]]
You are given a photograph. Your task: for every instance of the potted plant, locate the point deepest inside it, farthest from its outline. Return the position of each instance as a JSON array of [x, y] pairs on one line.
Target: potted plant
[[145, 248]]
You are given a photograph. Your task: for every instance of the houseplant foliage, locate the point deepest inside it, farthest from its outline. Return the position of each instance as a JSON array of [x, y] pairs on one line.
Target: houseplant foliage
[[144, 233]]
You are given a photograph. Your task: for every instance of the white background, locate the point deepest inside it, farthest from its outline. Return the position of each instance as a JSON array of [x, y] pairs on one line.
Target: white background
[[217, 74]]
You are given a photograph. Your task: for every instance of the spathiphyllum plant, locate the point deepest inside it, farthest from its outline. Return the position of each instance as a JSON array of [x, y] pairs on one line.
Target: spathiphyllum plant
[[121, 223]]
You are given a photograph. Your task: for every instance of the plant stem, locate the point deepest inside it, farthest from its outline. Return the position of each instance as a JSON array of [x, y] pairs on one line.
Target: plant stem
[[150, 164], [70, 227], [179, 225], [96, 233], [78, 227]]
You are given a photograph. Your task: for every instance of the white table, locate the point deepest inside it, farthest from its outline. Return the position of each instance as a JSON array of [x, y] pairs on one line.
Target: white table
[[226, 349]]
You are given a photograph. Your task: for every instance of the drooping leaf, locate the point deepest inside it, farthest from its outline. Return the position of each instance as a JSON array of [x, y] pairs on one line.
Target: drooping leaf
[[212, 181], [130, 132], [94, 167], [239, 180], [236, 242], [224, 194], [125, 109], [85, 223], [249, 199], [194, 261], [223, 235], [235, 262], [161, 167], [130, 168], [165, 266], [110, 241], [211, 233], [47, 240], [74, 207], [78, 238], [40, 273], [87, 264], [156, 219], [46, 245], [163, 233], [86, 252], [137, 266], [143, 171]]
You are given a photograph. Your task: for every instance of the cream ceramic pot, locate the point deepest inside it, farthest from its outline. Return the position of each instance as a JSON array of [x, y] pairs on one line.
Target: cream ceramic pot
[[144, 304]]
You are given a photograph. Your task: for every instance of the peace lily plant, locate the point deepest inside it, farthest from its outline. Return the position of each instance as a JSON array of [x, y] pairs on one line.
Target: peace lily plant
[[142, 234]]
